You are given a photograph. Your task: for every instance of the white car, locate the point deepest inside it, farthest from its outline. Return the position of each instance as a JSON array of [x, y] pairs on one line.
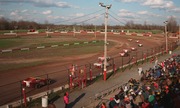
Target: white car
[[130, 40], [140, 45], [102, 58], [137, 41], [133, 48], [125, 50], [123, 54], [100, 65]]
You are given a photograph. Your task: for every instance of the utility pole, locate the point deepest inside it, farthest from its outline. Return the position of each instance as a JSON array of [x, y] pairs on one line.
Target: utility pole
[[95, 31], [47, 31], [166, 36], [105, 38], [16, 30], [179, 33], [74, 30]]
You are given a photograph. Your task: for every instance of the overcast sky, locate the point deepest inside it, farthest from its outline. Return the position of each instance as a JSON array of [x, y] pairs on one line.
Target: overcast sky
[[89, 11]]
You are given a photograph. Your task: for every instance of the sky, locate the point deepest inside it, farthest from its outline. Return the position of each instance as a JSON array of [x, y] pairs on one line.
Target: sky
[[83, 12]]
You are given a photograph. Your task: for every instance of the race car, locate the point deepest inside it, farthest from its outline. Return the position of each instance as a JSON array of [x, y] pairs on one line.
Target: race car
[[101, 65], [125, 50], [123, 54], [130, 40], [36, 82], [137, 41], [102, 58], [140, 45], [133, 48]]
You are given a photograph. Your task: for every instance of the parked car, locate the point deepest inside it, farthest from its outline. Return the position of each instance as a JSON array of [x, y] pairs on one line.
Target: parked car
[[36, 82]]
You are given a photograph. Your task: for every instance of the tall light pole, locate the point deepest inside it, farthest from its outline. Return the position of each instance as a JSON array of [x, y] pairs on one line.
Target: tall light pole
[[47, 31], [95, 31], [16, 30], [179, 33], [166, 35], [105, 38], [74, 31]]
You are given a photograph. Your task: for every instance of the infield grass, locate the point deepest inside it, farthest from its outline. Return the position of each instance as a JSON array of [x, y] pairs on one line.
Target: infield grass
[[33, 56]]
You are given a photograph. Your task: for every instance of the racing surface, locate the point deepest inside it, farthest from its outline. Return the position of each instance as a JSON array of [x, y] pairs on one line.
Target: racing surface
[[10, 80]]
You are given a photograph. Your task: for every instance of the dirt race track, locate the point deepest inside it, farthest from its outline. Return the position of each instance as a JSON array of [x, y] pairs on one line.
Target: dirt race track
[[10, 88]]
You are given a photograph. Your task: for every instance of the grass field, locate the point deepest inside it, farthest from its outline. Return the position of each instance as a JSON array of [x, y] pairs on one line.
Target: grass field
[[43, 30], [145, 31], [36, 41], [34, 56]]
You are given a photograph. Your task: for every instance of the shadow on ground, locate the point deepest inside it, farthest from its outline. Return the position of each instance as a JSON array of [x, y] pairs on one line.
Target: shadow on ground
[[76, 100]]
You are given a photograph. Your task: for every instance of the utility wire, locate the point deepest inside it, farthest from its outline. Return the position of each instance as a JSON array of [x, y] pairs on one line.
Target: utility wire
[[78, 17], [117, 15], [89, 19], [116, 19]]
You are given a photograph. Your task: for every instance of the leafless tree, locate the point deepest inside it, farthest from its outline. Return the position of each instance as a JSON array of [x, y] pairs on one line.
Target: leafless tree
[[172, 25]]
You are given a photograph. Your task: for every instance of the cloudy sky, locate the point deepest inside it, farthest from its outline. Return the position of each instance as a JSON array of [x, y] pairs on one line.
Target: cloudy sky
[[89, 11]]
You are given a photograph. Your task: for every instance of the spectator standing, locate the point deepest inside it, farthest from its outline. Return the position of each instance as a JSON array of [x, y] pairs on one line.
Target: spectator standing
[[156, 62], [103, 105], [66, 99], [140, 71]]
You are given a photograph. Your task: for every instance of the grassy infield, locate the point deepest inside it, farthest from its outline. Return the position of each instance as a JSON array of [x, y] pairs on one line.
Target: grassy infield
[[34, 53]]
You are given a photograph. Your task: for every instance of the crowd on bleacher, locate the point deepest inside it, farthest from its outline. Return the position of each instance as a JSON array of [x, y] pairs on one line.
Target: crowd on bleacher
[[159, 87]]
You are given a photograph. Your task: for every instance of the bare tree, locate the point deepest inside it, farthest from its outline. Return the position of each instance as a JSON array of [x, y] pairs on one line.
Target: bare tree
[[4, 24], [130, 24], [172, 25]]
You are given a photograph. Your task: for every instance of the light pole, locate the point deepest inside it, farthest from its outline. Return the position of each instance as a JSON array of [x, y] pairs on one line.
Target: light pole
[[105, 38], [47, 34], [74, 31], [16, 30], [179, 33], [95, 31], [166, 36]]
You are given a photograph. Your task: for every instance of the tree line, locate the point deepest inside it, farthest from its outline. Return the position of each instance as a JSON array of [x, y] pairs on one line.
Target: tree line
[[6, 24]]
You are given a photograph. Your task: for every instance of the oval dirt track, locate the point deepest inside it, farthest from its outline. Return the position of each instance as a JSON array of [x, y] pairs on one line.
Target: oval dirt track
[[58, 68]]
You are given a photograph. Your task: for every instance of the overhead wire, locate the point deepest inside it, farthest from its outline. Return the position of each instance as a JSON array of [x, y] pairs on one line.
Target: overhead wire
[[78, 17], [92, 18], [117, 15], [116, 19]]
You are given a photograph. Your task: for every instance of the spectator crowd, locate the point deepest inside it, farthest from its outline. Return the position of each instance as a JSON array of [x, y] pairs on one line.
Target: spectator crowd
[[159, 87]]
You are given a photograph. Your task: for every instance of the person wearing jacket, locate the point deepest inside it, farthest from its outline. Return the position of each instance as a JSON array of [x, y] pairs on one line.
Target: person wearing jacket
[[66, 99]]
